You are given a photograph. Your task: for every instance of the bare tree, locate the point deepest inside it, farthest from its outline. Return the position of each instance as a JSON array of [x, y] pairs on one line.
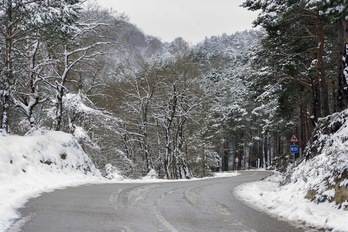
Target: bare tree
[[138, 101], [24, 22], [177, 102], [28, 94]]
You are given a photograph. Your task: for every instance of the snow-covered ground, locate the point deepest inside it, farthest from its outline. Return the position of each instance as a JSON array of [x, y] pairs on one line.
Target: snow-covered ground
[[289, 203], [322, 178], [43, 162], [30, 165]]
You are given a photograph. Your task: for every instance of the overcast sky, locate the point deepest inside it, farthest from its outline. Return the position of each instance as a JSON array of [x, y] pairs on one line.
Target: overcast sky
[[192, 20]]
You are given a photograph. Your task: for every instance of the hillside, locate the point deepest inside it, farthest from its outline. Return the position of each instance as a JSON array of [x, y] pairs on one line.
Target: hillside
[[316, 190], [40, 162], [325, 169]]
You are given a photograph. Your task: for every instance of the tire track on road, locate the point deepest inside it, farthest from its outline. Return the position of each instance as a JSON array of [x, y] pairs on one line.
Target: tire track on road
[[194, 196], [160, 216]]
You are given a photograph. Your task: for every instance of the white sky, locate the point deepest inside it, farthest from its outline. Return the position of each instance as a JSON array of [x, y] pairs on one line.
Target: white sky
[[192, 20]]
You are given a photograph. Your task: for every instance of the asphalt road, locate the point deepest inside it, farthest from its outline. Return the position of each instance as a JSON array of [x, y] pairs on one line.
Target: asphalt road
[[203, 205]]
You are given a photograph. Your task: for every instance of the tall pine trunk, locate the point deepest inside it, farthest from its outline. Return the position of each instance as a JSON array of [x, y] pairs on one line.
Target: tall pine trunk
[[323, 83], [342, 86]]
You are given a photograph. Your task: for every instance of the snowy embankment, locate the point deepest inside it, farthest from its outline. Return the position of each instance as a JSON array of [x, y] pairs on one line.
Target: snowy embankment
[[288, 202], [316, 191], [30, 165], [43, 162]]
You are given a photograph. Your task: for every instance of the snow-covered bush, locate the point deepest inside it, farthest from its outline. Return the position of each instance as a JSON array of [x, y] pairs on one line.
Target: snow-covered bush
[[112, 173], [97, 131], [151, 175]]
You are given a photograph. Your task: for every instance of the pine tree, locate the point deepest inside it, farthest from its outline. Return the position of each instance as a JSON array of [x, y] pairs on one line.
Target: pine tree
[[337, 12]]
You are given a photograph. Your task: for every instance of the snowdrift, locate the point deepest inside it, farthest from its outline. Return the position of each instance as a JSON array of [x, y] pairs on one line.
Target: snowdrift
[[325, 170], [50, 151], [41, 162], [316, 190]]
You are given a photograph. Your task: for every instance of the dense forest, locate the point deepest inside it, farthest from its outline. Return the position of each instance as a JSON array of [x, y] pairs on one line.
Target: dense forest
[[182, 110]]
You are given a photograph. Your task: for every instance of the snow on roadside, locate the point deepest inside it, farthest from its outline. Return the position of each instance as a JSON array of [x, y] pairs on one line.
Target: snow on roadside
[[322, 177], [289, 202], [152, 176], [43, 162], [30, 165], [226, 174]]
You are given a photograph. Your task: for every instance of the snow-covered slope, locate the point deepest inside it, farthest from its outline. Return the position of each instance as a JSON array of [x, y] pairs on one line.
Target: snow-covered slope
[[288, 202], [38, 163], [325, 171], [45, 161], [316, 190]]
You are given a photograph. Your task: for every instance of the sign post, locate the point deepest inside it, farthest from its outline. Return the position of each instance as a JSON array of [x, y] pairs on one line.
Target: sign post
[[294, 146], [293, 139]]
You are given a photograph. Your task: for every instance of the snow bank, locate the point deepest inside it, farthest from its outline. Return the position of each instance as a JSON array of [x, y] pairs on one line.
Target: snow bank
[[41, 162], [326, 174], [288, 202], [45, 161], [316, 191]]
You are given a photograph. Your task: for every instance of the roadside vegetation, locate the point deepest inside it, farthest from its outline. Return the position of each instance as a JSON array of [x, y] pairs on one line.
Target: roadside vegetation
[[138, 105]]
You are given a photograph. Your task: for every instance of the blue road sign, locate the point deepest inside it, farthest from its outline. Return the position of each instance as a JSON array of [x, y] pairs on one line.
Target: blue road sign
[[294, 148]]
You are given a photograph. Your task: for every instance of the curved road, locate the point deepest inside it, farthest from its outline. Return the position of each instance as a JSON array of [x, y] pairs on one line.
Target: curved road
[[203, 205]]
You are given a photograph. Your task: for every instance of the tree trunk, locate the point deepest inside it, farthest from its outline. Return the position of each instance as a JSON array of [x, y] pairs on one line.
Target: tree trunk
[[169, 161], [248, 140], [8, 75], [145, 138], [316, 109], [59, 108], [182, 162], [305, 129], [4, 115], [226, 155], [264, 150], [324, 95], [342, 86]]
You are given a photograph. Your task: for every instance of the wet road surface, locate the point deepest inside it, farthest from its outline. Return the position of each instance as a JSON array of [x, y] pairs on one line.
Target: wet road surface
[[202, 205]]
